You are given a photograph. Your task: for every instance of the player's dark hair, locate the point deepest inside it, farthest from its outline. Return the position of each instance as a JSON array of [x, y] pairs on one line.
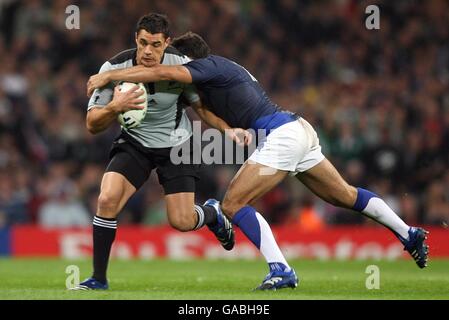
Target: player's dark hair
[[192, 45], [154, 23]]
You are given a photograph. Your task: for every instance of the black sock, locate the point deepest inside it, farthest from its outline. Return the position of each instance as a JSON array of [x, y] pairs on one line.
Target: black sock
[[103, 236], [206, 216]]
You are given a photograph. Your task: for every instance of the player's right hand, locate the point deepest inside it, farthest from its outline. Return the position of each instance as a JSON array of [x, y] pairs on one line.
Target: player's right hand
[[97, 81], [241, 136], [125, 101]]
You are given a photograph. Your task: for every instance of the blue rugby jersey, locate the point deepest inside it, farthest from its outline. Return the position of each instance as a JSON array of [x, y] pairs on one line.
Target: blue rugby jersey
[[236, 96]]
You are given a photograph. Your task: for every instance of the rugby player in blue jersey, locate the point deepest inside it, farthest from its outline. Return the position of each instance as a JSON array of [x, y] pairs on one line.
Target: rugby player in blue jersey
[[291, 147]]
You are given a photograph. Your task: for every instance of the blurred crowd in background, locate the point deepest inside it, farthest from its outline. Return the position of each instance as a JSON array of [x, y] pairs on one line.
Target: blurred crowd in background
[[379, 100]]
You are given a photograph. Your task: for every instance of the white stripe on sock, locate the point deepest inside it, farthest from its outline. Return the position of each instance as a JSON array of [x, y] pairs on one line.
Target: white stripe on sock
[[104, 220], [104, 226], [268, 245], [199, 211], [105, 223], [109, 222]]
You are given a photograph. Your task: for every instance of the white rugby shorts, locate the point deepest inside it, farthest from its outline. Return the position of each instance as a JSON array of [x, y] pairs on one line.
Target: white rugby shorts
[[293, 147]]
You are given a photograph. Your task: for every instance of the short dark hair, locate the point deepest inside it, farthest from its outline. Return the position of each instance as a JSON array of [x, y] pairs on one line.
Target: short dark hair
[[192, 45], [154, 23]]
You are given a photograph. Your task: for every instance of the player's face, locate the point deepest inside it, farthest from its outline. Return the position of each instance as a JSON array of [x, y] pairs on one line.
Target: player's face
[[150, 48]]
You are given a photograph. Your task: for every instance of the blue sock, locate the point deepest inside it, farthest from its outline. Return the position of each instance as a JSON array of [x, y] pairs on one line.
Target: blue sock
[[256, 229], [247, 221], [363, 197]]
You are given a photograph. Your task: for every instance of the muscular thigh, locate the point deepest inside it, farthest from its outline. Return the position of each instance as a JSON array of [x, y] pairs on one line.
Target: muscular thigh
[[123, 176], [325, 181], [132, 165], [180, 210], [115, 192], [251, 182], [181, 203]]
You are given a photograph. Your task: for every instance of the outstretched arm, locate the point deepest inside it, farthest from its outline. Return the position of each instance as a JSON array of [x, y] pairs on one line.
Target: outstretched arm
[[239, 135], [210, 118], [140, 74]]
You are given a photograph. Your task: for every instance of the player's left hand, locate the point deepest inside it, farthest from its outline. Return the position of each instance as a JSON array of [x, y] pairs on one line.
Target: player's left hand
[[97, 81], [241, 136]]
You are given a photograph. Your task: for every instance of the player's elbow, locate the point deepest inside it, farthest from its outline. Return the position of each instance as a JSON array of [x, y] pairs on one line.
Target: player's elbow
[[91, 127]]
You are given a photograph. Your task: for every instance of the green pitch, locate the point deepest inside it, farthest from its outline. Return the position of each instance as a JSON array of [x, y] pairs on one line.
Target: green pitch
[[227, 280]]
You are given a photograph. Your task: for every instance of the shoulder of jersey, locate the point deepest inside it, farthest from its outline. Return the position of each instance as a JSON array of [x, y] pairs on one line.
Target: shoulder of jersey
[[173, 57], [123, 56]]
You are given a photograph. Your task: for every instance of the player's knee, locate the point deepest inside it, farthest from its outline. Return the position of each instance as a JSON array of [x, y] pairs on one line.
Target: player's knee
[[230, 206], [182, 221], [108, 204]]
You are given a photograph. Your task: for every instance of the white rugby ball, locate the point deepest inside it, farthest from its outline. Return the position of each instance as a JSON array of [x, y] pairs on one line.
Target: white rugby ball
[[133, 118]]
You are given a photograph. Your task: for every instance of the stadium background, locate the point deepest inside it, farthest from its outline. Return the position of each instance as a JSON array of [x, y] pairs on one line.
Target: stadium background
[[379, 100]]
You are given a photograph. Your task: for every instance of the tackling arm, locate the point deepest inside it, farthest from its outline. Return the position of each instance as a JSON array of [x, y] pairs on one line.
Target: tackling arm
[[210, 118], [239, 135], [140, 74]]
